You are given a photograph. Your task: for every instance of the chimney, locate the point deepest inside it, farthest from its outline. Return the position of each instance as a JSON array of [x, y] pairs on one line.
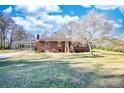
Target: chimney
[[38, 36]]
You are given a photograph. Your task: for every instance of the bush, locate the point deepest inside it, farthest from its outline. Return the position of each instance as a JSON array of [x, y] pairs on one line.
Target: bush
[[35, 48], [110, 48], [4, 47]]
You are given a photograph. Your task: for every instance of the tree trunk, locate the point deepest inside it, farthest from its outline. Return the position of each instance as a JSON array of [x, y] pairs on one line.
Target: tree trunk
[[1, 35], [11, 40], [72, 49], [4, 37], [90, 48], [67, 49]]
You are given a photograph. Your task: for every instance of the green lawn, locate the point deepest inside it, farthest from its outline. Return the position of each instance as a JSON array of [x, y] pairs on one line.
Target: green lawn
[[7, 51], [105, 69]]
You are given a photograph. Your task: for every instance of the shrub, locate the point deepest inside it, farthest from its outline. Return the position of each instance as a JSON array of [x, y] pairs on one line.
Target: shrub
[[110, 48], [4, 47]]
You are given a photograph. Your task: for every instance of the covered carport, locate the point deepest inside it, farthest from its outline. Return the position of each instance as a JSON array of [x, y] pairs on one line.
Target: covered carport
[[23, 45]]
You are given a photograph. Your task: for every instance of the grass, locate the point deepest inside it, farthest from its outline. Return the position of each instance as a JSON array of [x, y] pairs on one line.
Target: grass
[[105, 69], [7, 51]]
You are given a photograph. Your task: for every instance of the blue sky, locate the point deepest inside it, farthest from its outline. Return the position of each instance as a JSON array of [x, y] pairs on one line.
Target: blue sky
[[36, 19]]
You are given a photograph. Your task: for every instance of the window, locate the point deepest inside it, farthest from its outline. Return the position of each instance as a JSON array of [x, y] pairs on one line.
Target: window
[[47, 44]]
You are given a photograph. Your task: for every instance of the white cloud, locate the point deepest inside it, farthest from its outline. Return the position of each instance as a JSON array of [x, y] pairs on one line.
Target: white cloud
[[60, 20], [87, 6], [36, 17], [69, 19], [51, 8], [31, 24], [37, 10], [106, 7], [115, 24], [103, 7], [56, 21], [21, 21], [46, 23], [111, 7], [8, 10], [122, 9]]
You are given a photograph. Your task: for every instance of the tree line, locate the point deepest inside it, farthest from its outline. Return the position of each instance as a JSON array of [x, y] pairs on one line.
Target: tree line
[[10, 32]]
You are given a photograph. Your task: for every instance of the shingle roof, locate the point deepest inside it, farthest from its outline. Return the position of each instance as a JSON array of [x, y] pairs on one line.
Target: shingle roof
[[54, 39]]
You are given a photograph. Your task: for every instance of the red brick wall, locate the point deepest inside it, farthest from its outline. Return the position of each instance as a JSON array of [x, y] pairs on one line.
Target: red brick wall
[[54, 47], [40, 46]]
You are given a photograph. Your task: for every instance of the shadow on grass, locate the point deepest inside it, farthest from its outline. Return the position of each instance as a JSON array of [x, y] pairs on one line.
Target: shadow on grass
[[110, 53], [84, 56], [55, 73], [113, 76], [4, 58]]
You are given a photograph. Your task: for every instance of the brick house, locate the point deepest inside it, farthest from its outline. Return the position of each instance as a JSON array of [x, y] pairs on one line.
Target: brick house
[[55, 45]]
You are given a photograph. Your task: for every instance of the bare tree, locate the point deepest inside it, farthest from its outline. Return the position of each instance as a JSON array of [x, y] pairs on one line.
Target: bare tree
[[45, 34], [20, 33], [69, 30], [5, 24], [94, 26], [9, 31], [17, 33], [1, 31]]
